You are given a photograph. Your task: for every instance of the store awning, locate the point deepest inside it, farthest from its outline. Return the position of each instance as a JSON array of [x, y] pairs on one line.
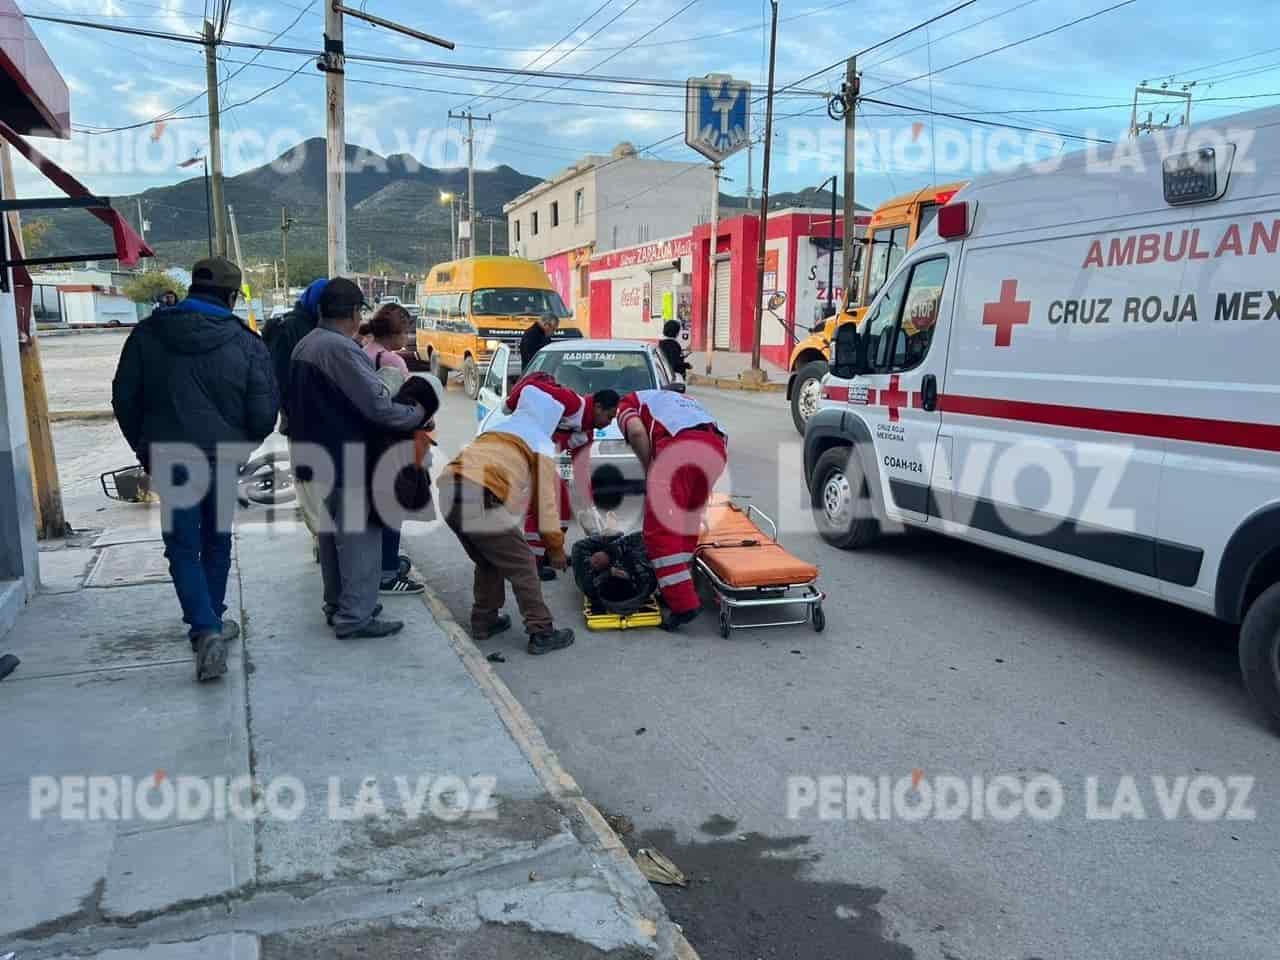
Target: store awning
[[33, 96], [129, 247]]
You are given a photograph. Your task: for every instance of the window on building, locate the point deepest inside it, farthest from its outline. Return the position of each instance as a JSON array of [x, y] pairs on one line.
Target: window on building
[[517, 223], [555, 213], [579, 201], [533, 223]]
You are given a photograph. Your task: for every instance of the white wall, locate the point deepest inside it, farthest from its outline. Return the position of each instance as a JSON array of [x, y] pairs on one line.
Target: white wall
[[554, 239], [649, 199]]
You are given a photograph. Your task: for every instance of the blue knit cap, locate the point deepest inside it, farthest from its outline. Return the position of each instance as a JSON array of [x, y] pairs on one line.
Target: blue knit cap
[[311, 296]]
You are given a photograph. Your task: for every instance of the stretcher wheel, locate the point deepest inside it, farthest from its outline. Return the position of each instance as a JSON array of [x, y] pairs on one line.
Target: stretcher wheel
[[724, 622], [819, 618]]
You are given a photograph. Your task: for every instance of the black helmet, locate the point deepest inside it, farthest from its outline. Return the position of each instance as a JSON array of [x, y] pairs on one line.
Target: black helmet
[[626, 584]]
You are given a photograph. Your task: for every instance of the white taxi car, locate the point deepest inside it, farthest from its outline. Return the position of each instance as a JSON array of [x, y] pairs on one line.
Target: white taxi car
[[586, 366]]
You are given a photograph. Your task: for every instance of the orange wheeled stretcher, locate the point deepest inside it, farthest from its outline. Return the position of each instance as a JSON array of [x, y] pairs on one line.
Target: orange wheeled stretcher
[[747, 568]]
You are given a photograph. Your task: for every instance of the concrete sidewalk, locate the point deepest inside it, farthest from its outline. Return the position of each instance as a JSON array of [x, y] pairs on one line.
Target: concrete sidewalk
[[411, 808]]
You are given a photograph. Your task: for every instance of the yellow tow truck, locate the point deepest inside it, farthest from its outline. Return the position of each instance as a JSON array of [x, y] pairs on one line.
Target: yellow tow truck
[[893, 230]]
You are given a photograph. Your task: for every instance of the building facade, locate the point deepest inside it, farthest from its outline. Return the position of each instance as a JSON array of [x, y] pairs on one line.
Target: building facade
[[599, 204], [634, 289]]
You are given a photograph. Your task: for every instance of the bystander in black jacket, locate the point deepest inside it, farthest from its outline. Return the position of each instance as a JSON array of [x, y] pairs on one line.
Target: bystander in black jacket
[[194, 373], [282, 334], [534, 339], [671, 350]]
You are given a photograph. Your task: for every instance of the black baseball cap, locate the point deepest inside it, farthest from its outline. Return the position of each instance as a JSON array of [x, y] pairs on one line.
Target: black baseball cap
[[340, 297], [216, 272]]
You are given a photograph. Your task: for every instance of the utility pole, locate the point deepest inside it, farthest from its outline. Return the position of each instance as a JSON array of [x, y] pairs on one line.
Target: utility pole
[[849, 95], [333, 65], [215, 140], [491, 236], [142, 223], [51, 521], [235, 236], [285, 222], [471, 118], [709, 332], [1137, 126], [756, 373]]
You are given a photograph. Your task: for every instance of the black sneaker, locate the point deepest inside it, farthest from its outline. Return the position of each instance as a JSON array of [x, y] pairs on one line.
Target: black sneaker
[[671, 622], [331, 612], [501, 624], [374, 629], [540, 643], [211, 656], [230, 631], [545, 572], [400, 585]]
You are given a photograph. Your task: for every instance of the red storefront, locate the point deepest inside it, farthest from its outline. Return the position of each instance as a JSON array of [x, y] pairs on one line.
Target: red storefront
[[796, 263]]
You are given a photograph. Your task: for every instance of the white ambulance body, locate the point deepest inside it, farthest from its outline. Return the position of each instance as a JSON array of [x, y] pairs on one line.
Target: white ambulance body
[[1082, 367]]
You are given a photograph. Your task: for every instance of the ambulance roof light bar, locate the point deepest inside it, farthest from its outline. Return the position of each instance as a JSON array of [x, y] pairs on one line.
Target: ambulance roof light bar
[[953, 220]]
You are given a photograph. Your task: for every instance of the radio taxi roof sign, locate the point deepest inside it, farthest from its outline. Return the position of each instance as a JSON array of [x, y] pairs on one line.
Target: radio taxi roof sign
[[717, 115]]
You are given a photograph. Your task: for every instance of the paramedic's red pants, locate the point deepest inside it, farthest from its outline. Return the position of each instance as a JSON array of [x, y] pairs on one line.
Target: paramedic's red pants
[[684, 470]]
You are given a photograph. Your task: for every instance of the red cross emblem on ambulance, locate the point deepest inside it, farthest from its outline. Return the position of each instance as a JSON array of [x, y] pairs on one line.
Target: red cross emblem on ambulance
[[895, 398], [1006, 313]]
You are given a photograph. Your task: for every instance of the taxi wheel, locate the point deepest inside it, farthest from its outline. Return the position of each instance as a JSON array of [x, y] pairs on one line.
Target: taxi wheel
[[470, 378], [842, 504], [806, 392], [1260, 652]]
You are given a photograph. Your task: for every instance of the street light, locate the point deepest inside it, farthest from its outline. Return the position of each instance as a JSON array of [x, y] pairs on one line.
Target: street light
[[208, 195], [449, 197]]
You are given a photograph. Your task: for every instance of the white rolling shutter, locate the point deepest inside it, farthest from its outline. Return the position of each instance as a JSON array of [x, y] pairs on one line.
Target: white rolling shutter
[[720, 340]]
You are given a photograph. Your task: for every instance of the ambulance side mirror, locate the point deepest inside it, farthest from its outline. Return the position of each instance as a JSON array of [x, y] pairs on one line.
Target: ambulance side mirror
[[848, 354]]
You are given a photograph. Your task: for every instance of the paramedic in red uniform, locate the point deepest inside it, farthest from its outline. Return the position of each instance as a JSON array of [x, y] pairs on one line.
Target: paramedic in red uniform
[[683, 451], [583, 416]]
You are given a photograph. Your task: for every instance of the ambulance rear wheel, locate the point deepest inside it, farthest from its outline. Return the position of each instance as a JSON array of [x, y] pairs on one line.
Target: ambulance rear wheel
[[470, 378], [842, 504], [1260, 652], [806, 392]]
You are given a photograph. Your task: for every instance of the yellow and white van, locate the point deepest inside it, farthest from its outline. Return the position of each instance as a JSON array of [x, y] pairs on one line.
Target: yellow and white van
[[470, 307]]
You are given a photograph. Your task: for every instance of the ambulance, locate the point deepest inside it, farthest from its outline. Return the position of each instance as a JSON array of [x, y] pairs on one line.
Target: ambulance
[[1080, 365]]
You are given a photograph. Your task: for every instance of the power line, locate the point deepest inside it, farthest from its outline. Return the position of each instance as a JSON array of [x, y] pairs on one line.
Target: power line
[[946, 36], [1006, 46], [1219, 63], [578, 26], [647, 33]]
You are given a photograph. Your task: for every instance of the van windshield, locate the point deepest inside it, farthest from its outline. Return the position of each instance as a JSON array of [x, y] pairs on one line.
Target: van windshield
[[516, 301]]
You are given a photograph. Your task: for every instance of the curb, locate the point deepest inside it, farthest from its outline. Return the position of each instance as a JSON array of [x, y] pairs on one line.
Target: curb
[[61, 416], [56, 332], [730, 383], [558, 782]]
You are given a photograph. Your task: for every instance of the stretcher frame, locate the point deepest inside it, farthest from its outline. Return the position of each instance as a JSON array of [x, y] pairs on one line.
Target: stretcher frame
[[731, 598]]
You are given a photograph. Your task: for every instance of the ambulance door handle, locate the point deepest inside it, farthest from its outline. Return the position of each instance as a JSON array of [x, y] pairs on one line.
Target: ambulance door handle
[[929, 392]]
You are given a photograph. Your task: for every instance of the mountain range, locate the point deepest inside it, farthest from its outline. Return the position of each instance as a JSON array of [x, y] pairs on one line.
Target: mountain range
[[395, 220]]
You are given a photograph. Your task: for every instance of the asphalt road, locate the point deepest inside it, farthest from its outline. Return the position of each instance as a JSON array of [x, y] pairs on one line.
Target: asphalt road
[[940, 658]]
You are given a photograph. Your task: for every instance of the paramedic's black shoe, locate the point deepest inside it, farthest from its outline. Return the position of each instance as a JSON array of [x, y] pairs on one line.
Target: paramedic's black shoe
[[545, 573], [501, 624], [211, 655], [374, 629], [540, 643], [671, 622], [331, 612]]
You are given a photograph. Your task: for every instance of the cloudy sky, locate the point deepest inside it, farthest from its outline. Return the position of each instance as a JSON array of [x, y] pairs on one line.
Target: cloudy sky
[[1071, 83]]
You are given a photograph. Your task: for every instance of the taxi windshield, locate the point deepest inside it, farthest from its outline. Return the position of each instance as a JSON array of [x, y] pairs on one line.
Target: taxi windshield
[[516, 301], [586, 371]]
